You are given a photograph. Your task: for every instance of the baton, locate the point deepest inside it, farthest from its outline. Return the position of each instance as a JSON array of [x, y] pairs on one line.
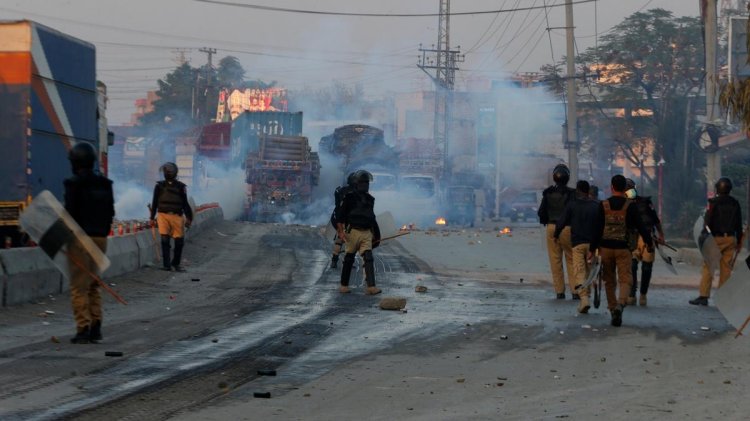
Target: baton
[[393, 236], [96, 278]]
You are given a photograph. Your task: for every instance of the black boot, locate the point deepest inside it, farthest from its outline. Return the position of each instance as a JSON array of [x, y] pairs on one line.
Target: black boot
[[95, 334], [83, 336], [334, 261], [646, 276], [165, 252], [702, 301], [179, 244], [634, 271], [346, 269], [617, 316], [370, 273]]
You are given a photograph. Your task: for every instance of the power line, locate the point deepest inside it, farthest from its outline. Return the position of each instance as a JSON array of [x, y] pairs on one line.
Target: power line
[[373, 15]]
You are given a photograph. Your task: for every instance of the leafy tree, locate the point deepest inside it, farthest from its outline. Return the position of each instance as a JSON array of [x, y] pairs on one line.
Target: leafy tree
[[650, 65], [230, 73], [175, 104]]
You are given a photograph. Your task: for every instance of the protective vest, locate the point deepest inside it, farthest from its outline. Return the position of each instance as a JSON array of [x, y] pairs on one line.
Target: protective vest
[[643, 204], [338, 197], [557, 198], [170, 197], [94, 203], [725, 213], [615, 222], [362, 214]]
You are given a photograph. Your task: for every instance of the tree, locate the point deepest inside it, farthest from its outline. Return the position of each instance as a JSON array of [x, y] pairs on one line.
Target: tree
[[649, 65], [230, 74], [175, 104]]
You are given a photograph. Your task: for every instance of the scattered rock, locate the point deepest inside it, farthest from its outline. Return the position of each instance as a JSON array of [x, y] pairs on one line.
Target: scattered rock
[[392, 303], [499, 384], [307, 395], [266, 372], [503, 337], [671, 401], [604, 359], [264, 395], [214, 340], [705, 328], [223, 385], [196, 279], [420, 288], [55, 340], [460, 380], [727, 382], [52, 312], [113, 353]]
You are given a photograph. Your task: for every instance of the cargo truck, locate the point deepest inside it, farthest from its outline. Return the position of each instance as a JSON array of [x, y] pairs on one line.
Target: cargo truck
[[280, 177], [48, 103]]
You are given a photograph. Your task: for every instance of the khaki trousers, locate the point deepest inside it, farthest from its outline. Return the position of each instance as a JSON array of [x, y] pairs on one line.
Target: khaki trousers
[[616, 260], [556, 251], [358, 241], [171, 225], [727, 246], [641, 252], [580, 268], [84, 290]]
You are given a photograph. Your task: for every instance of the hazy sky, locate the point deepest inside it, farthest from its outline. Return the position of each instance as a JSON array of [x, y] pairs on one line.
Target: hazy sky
[[137, 40]]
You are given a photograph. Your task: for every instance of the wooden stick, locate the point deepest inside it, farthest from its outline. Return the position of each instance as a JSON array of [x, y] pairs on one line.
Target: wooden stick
[[393, 236], [739, 331], [96, 278]]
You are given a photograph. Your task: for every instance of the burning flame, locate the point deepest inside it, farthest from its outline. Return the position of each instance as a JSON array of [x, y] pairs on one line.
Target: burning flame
[[404, 228], [505, 231], [440, 221]]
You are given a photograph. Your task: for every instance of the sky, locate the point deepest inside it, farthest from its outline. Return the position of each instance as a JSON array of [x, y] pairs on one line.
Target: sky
[[139, 41]]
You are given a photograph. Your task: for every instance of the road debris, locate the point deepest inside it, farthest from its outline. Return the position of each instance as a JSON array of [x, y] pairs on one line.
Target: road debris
[[54, 339], [113, 353], [420, 288], [266, 372], [392, 303], [264, 395], [460, 380]]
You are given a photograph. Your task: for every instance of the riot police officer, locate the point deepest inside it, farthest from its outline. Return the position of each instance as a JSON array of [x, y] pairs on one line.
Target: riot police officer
[[89, 200], [338, 197], [724, 220], [358, 228], [640, 252], [174, 214], [554, 200]]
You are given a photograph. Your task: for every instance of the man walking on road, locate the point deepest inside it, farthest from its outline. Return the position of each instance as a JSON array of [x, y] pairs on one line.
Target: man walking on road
[[640, 252], [578, 215], [358, 228], [89, 200], [174, 214], [554, 200], [615, 221], [724, 221]]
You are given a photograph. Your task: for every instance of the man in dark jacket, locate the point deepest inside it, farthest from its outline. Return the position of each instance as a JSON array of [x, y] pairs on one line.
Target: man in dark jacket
[[724, 222], [578, 215], [641, 253], [616, 220], [338, 197], [358, 228], [554, 200], [89, 200], [174, 214]]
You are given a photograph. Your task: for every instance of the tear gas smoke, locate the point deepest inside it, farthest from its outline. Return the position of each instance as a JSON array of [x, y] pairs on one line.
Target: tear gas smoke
[[225, 186]]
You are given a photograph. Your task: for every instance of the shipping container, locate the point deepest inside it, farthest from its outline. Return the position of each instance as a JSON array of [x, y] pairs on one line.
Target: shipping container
[[48, 103]]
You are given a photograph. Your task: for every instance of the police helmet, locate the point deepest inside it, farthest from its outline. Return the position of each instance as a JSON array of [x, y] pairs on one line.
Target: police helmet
[[82, 156], [351, 179], [363, 176], [561, 174], [723, 185], [629, 184], [170, 170]]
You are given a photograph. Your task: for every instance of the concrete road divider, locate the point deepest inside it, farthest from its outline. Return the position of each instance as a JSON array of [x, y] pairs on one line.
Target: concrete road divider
[[27, 274]]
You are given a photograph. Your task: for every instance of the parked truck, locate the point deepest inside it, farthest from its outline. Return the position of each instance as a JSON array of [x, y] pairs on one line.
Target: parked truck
[[359, 146], [280, 177], [48, 103]]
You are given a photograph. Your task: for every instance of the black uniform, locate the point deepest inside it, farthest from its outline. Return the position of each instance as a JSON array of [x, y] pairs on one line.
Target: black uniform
[[89, 200], [554, 200], [579, 214], [338, 197]]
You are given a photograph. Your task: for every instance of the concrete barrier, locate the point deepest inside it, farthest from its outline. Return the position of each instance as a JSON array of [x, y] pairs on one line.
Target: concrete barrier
[[27, 274]]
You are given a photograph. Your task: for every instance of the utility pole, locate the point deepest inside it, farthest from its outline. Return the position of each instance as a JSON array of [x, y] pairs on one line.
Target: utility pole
[[443, 61], [571, 141], [209, 67], [713, 158]]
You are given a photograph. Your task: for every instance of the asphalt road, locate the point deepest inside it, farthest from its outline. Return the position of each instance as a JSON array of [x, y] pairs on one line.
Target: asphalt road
[[479, 344]]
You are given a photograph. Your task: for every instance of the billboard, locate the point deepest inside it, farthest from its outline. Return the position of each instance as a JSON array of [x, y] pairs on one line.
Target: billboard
[[236, 101]]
